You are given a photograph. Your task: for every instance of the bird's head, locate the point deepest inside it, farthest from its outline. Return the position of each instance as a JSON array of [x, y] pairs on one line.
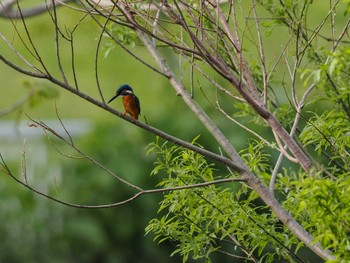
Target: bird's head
[[122, 91]]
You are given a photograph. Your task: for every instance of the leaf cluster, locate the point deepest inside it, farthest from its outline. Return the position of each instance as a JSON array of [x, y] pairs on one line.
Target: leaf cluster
[[329, 133], [321, 203], [338, 70], [256, 158], [40, 92], [322, 206], [221, 219], [121, 35]]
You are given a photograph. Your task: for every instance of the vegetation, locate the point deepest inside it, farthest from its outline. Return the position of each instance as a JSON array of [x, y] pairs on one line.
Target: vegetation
[[265, 178]]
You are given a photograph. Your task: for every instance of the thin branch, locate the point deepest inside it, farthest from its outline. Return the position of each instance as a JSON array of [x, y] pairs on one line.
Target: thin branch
[[244, 85], [57, 42], [292, 132], [73, 60], [282, 149], [21, 70], [97, 56], [192, 104], [262, 54], [341, 35], [141, 192], [168, 137], [124, 47], [8, 11], [21, 57], [318, 28], [36, 54], [24, 163], [249, 92], [17, 104], [252, 181], [244, 127], [71, 144]]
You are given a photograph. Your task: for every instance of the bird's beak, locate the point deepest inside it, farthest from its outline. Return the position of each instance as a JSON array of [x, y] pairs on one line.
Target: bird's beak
[[116, 95]]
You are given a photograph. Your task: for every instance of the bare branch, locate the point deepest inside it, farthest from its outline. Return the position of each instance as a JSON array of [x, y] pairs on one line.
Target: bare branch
[[282, 149], [7, 9], [262, 54], [17, 104], [200, 44], [244, 127], [140, 192], [292, 132], [21, 57], [252, 181]]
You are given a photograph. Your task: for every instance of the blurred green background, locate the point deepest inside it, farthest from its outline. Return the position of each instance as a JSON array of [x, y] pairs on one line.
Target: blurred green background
[[35, 229]]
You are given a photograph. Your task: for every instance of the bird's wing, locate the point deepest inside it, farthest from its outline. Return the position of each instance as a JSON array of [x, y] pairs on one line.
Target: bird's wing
[[137, 103]]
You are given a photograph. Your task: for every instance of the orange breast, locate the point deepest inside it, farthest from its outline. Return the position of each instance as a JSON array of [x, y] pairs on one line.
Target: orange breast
[[130, 106]]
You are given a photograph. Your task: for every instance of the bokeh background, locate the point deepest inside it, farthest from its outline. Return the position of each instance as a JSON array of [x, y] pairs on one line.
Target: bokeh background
[[36, 229]]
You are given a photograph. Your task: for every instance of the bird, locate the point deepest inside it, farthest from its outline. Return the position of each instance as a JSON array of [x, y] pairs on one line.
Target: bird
[[130, 101]]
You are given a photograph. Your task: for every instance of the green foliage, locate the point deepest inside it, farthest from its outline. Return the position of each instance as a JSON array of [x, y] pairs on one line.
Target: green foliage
[[214, 218], [311, 76], [331, 76], [36, 229], [203, 221], [246, 113], [288, 10], [329, 132], [123, 35], [40, 92], [338, 68], [322, 203], [347, 10], [285, 113], [255, 157], [322, 206]]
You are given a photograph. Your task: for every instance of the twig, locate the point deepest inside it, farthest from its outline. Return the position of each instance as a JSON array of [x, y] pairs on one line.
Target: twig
[[252, 181], [262, 54], [282, 149], [140, 192], [17, 104], [71, 144], [19, 54], [243, 126], [7, 10], [24, 163], [292, 132], [57, 42]]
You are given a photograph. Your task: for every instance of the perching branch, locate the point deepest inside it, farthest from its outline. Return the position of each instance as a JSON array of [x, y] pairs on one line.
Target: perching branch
[[197, 45], [139, 191], [252, 181]]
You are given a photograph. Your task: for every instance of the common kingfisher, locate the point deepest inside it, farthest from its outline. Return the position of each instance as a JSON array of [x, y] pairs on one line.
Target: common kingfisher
[[130, 101]]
